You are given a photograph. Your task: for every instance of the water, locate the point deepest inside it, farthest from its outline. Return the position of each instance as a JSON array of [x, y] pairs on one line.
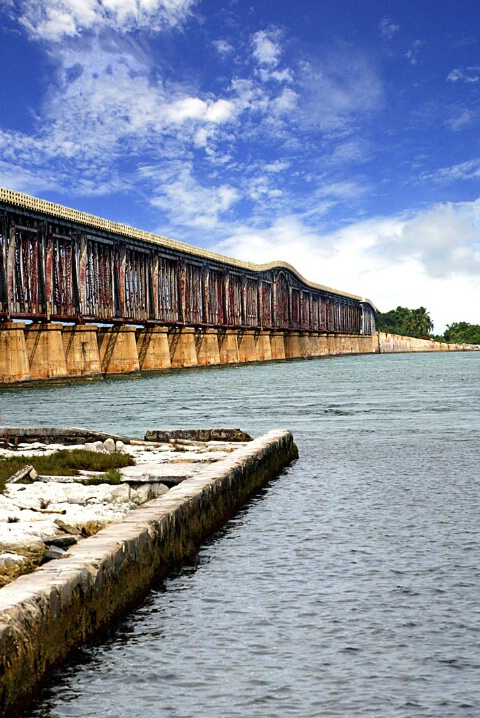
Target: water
[[348, 587]]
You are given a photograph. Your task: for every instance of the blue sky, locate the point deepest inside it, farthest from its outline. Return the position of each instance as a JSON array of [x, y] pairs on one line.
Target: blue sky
[[338, 135]]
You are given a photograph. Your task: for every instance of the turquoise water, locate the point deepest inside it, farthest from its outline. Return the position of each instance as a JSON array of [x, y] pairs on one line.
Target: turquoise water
[[348, 587]]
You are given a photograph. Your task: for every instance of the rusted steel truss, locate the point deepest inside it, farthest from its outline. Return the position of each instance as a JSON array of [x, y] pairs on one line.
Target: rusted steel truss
[[51, 269]]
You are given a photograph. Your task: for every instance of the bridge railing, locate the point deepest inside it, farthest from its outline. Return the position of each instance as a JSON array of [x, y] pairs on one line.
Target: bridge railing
[[58, 269]]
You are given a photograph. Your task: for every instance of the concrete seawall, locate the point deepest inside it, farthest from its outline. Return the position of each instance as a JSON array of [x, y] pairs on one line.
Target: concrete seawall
[[56, 353], [45, 615], [396, 344]]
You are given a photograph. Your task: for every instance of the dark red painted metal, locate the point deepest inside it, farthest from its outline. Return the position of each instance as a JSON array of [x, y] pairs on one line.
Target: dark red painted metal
[[55, 269]]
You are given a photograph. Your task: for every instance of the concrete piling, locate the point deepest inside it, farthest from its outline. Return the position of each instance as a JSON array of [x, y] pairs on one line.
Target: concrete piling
[[52, 352]]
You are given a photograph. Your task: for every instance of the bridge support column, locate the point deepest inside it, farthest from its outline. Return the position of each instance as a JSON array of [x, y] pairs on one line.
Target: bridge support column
[[354, 344], [152, 348], [228, 346], [277, 345], [182, 347], [314, 344], [118, 350], [332, 344], [292, 345], [45, 352], [322, 345], [343, 344], [81, 350], [247, 348], [263, 347], [206, 344], [13, 353], [305, 345]]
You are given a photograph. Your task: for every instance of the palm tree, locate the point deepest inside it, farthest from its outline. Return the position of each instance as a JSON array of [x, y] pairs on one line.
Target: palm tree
[[418, 322]]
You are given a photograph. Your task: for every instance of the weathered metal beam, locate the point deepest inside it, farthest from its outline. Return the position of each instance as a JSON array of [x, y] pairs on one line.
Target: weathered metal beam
[[60, 264]]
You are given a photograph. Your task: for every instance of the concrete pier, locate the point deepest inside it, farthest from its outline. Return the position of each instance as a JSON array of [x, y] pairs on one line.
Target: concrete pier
[[292, 345], [153, 350], [263, 347], [14, 364], [206, 345], [45, 615], [228, 346], [52, 352], [305, 345], [118, 350], [247, 346], [277, 345], [182, 347], [81, 350], [45, 352]]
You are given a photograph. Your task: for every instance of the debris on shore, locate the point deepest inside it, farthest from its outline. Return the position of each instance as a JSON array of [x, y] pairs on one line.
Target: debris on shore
[[42, 516]]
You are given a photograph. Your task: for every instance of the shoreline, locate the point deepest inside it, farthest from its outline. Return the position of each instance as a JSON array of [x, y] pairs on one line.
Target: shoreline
[[46, 614]]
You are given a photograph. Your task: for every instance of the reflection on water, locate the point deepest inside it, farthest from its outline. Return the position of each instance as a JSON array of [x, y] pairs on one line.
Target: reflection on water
[[348, 587]]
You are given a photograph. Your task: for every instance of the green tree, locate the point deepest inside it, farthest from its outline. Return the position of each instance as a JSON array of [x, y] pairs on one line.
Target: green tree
[[462, 333], [406, 322], [418, 323]]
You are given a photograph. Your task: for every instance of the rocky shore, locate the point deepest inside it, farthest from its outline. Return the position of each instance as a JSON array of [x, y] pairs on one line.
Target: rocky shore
[[41, 517]]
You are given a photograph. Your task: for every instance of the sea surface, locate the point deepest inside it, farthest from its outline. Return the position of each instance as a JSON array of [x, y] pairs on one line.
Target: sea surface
[[348, 587]]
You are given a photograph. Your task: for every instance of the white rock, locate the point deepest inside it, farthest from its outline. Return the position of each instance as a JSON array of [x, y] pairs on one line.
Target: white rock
[[119, 446], [109, 445]]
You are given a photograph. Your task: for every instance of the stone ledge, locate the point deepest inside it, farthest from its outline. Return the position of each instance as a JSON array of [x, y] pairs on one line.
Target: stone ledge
[[45, 615]]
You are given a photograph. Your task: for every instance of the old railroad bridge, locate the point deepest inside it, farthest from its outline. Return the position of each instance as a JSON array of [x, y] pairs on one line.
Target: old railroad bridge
[[84, 296]]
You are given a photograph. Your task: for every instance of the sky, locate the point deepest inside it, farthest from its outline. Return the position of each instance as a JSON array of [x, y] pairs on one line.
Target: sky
[[341, 136]]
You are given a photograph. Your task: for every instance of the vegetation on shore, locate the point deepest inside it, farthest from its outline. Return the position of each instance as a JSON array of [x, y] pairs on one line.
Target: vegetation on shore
[[69, 463], [418, 323]]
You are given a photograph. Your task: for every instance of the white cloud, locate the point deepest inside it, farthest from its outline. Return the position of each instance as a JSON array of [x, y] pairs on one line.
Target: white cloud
[[388, 28], [223, 47], [266, 47], [53, 20], [459, 120], [193, 108], [187, 201], [335, 91], [412, 54], [467, 74], [430, 259], [462, 171]]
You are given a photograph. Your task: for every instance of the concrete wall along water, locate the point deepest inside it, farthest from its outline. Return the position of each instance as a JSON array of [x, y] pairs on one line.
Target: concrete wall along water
[[46, 614], [52, 352]]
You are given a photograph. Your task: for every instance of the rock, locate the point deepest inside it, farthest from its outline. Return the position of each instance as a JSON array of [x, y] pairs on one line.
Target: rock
[[60, 540], [13, 565], [119, 495], [22, 543], [140, 493], [119, 447], [25, 475], [109, 445], [197, 435], [72, 530], [52, 553]]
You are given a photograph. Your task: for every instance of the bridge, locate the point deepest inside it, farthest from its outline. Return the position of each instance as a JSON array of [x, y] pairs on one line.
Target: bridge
[[60, 267]]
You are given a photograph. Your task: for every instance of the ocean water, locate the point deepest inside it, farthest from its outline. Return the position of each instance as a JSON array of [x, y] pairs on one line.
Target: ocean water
[[348, 587]]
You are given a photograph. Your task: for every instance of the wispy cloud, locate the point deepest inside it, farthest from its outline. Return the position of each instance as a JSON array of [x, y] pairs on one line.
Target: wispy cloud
[[54, 20], [338, 90], [459, 172], [469, 75], [187, 201], [388, 28]]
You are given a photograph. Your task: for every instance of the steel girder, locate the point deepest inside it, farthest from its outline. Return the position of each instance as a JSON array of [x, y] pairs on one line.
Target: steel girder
[[59, 270]]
